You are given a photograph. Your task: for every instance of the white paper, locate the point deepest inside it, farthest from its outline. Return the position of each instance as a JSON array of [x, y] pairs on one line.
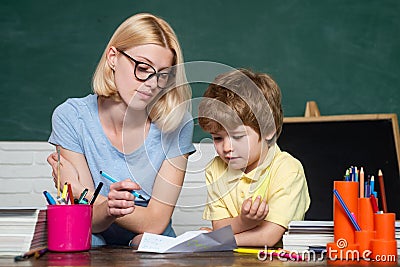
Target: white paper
[[192, 241]]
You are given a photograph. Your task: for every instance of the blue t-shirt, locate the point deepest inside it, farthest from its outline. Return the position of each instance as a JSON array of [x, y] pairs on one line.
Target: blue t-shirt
[[76, 126]]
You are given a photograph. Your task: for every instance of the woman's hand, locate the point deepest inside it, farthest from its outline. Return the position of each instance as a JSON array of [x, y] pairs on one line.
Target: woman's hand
[[120, 198], [68, 173]]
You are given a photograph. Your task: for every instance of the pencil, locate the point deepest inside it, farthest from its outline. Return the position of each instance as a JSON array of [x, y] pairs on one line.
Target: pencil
[[362, 182], [70, 195], [58, 172], [346, 209], [64, 192], [382, 189]]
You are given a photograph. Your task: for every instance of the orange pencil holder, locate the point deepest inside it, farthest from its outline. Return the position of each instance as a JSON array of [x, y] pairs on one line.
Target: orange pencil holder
[[365, 214], [384, 246], [363, 239], [385, 226], [344, 229]]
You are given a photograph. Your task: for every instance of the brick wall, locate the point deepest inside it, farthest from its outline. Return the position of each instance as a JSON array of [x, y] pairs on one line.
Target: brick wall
[[24, 174]]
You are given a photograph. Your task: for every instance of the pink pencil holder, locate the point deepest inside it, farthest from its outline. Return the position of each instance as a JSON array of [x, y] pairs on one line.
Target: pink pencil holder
[[69, 227]]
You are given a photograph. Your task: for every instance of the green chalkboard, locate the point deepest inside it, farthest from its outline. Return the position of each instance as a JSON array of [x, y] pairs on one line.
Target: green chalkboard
[[344, 54]]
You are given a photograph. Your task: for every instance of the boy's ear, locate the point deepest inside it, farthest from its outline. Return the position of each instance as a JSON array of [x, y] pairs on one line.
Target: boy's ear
[[270, 139], [270, 136]]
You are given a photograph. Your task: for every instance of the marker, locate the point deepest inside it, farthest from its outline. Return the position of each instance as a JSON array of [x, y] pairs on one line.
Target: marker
[[355, 174], [372, 184], [80, 200], [347, 175], [49, 198], [84, 201], [374, 203], [105, 175], [96, 193]]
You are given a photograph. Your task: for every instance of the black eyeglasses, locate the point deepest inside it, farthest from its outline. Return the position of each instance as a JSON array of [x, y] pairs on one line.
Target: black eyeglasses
[[144, 72]]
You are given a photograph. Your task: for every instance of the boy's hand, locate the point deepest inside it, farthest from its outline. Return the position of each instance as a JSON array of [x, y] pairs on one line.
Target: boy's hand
[[208, 229], [252, 213]]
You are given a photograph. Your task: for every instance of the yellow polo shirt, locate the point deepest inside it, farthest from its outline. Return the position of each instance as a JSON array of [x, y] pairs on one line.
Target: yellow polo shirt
[[280, 179]]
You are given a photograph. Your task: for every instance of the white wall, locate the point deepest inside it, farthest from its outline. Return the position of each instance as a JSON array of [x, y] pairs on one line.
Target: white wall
[[25, 174]]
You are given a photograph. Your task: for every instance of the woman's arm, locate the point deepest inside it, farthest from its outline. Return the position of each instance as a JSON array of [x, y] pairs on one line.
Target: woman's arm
[[119, 205], [155, 217], [74, 170]]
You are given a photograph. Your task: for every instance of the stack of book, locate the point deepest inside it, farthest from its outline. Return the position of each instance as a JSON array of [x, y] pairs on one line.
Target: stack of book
[[22, 229], [308, 235], [397, 233]]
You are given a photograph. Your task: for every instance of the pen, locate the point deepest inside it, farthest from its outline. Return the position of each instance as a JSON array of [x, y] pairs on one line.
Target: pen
[[96, 193], [80, 200], [105, 175], [49, 198]]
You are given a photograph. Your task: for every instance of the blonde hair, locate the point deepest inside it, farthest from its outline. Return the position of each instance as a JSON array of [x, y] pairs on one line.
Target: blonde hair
[[242, 97], [144, 29]]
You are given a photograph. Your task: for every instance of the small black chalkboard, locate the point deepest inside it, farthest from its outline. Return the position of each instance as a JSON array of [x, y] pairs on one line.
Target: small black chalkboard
[[328, 145]]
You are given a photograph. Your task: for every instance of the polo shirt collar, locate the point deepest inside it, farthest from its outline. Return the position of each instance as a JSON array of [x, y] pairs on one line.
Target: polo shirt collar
[[254, 175]]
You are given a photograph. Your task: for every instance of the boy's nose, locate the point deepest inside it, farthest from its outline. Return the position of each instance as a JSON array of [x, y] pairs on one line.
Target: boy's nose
[[227, 146]]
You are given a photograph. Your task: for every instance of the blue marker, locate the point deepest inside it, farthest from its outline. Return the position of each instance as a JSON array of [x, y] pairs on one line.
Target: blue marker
[[105, 175], [372, 184], [49, 198]]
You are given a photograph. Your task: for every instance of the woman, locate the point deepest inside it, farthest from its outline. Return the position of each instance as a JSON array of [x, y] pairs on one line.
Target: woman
[[135, 126]]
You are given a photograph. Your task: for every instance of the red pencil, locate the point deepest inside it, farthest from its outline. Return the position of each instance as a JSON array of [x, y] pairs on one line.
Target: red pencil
[[70, 195], [382, 189]]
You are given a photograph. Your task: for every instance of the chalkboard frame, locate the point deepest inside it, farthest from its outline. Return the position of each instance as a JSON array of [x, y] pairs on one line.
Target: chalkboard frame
[[321, 190]]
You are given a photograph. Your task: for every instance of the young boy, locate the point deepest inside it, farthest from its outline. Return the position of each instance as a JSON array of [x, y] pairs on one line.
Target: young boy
[[252, 185]]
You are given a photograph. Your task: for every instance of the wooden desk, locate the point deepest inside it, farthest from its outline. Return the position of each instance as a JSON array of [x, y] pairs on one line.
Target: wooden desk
[[112, 256]]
